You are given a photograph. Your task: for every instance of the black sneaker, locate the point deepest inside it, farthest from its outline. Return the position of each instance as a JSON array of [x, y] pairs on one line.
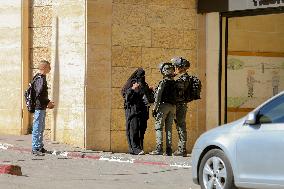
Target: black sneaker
[[37, 153], [43, 150]]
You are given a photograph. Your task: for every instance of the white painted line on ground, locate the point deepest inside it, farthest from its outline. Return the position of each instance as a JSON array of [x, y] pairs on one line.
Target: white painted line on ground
[[5, 146], [179, 165], [60, 153], [116, 159]]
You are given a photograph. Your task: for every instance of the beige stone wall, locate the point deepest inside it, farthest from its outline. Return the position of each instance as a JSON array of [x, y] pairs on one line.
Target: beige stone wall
[[88, 71], [145, 33], [57, 33], [40, 32], [68, 76], [124, 35], [10, 67], [98, 75]]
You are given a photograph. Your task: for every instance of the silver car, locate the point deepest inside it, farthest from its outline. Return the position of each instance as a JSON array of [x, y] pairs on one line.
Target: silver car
[[247, 153]]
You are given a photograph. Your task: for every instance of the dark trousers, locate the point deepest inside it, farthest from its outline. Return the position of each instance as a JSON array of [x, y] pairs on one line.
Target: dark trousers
[[133, 136], [142, 130]]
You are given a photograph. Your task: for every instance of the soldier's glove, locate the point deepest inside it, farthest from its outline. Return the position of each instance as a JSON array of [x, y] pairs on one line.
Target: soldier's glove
[[154, 113]]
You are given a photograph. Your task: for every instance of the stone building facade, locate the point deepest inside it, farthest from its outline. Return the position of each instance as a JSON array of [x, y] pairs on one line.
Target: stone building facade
[[94, 45]]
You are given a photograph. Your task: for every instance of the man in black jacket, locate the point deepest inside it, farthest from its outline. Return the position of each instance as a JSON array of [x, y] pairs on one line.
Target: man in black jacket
[[41, 103]]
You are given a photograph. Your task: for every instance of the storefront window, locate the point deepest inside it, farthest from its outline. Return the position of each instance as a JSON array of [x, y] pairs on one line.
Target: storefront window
[[255, 62]]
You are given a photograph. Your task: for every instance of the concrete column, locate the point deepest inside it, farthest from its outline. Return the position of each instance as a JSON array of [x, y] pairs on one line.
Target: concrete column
[[212, 62], [69, 66], [11, 67], [98, 74]]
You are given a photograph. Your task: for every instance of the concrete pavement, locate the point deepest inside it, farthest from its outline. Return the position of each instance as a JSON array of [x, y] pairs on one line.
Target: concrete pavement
[[70, 167]]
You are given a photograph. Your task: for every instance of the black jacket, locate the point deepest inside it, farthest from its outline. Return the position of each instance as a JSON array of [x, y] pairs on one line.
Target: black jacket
[[135, 104], [41, 93]]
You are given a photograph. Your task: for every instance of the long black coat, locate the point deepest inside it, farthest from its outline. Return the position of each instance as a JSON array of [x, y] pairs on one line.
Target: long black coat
[[136, 105], [137, 114]]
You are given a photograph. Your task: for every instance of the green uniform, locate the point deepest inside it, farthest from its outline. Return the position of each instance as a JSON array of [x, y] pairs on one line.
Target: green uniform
[[182, 83], [164, 108]]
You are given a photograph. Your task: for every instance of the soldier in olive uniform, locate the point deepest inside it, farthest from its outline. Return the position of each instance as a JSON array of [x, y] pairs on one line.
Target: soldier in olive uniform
[[164, 109], [182, 98]]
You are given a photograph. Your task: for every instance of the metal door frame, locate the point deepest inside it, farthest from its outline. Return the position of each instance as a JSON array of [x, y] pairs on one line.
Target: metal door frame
[[223, 53]]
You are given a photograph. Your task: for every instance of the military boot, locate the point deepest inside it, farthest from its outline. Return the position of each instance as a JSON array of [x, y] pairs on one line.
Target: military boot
[[158, 151], [169, 152], [180, 153]]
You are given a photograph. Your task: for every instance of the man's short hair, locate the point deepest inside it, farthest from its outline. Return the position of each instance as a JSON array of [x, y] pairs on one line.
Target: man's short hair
[[43, 64]]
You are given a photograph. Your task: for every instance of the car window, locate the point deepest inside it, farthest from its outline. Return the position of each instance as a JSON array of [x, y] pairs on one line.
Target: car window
[[272, 112]]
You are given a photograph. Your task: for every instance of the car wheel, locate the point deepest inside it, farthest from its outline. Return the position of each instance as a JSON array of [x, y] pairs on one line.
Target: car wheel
[[215, 171]]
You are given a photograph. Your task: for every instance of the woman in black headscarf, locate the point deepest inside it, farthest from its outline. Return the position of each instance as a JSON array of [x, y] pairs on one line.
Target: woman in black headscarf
[[137, 96]]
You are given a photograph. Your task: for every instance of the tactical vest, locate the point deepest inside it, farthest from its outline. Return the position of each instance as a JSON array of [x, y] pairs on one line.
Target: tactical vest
[[195, 88], [169, 92], [182, 84]]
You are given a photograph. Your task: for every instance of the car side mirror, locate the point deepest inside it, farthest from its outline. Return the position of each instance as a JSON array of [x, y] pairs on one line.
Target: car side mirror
[[251, 118]]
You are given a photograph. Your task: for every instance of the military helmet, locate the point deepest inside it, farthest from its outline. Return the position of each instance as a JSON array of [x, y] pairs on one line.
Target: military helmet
[[180, 62], [167, 68]]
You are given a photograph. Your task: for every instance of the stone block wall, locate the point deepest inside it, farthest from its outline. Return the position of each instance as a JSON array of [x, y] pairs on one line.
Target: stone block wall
[[98, 75], [145, 33], [122, 36], [40, 32], [93, 47], [10, 67]]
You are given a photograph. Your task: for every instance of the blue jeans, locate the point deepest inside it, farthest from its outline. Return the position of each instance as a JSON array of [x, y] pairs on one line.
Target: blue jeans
[[38, 129]]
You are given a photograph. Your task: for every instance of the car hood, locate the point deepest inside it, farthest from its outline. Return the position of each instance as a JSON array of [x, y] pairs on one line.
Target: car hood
[[219, 131]]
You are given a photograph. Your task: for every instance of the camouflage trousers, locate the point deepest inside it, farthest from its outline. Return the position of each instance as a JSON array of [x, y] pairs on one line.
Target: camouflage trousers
[[181, 109], [165, 117]]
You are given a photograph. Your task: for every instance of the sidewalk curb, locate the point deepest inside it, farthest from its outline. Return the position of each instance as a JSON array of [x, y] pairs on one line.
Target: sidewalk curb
[[109, 158], [11, 169]]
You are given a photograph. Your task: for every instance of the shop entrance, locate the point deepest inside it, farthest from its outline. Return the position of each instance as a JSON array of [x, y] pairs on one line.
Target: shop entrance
[[251, 67]]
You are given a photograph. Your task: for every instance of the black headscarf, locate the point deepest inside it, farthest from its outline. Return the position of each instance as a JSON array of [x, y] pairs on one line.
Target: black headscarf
[[137, 76]]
